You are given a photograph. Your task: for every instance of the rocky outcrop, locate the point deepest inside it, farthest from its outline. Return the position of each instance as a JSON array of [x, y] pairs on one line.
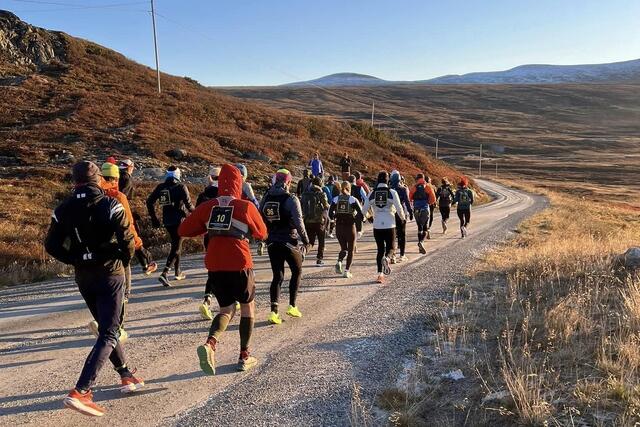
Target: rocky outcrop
[[25, 48]]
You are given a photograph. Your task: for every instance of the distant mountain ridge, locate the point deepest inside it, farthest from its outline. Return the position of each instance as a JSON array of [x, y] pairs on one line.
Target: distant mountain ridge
[[615, 72]]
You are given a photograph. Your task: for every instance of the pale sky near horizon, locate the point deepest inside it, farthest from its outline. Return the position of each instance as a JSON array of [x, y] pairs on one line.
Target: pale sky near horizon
[[268, 42]]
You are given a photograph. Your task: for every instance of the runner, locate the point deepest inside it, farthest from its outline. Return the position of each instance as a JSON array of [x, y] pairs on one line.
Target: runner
[[345, 166], [422, 197], [125, 182], [229, 221], [445, 199], [316, 165], [432, 206], [464, 200], [91, 232], [345, 209], [303, 184], [173, 197], [247, 190], [360, 181], [401, 221], [384, 202], [360, 195], [283, 216], [331, 190], [315, 208]]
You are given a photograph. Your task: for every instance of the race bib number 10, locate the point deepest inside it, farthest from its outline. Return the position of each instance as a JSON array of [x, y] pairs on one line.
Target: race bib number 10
[[220, 219]]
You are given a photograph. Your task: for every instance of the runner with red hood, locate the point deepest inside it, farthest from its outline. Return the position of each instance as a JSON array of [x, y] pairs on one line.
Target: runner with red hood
[[229, 221], [422, 197]]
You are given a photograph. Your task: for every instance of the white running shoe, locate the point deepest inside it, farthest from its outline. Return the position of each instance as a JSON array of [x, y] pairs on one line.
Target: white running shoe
[[386, 268]]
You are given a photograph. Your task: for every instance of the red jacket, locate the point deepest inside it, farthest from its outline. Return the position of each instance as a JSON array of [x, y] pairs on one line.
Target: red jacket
[[431, 195], [226, 253]]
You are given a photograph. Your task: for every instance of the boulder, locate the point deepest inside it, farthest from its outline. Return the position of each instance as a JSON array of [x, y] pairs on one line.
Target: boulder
[[630, 260], [152, 173], [254, 155], [176, 153]]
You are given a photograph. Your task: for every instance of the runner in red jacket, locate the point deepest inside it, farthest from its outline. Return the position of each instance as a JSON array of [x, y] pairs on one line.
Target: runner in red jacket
[[229, 221]]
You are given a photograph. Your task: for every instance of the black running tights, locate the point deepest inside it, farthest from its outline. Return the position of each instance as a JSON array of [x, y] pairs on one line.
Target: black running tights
[[384, 242], [279, 254]]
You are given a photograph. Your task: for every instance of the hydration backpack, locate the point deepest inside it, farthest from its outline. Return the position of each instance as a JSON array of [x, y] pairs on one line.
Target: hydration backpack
[[313, 206], [420, 193]]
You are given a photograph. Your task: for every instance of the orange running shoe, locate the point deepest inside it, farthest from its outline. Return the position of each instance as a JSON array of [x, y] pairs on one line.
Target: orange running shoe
[[380, 278], [131, 384], [83, 403]]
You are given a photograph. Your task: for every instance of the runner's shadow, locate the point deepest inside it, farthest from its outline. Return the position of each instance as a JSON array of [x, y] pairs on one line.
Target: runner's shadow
[[20, 364]]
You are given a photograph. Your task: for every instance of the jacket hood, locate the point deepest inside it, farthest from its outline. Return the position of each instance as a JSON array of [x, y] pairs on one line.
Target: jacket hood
[[110, 188], [87, 195], [230, 182], [360, 182], [277, 188]]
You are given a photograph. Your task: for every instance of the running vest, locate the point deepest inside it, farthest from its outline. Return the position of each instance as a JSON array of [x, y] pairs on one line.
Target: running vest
[[445, 196], [420, 193], [277, 218], [221, 222], [357, 193], [343, 206]]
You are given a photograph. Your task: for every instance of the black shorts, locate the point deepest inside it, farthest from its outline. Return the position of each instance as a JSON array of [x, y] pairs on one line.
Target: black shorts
[[231, 286]]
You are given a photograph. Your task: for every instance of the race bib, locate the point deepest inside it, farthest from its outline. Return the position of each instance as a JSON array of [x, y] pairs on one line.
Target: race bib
[[342, 207], [271, 211], [165, 198], [220, 219], [381, 198]]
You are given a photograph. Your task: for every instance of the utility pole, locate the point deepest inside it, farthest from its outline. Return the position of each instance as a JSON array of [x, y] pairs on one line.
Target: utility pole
[[496, 168], [155, 44], [480, 163], [437, 146], [373, 110]]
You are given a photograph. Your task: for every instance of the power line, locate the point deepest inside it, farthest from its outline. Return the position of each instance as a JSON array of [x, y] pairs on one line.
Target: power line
[[78, 6]]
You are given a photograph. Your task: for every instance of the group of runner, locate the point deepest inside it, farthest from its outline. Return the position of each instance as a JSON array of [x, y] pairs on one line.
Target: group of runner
[[95, 230]]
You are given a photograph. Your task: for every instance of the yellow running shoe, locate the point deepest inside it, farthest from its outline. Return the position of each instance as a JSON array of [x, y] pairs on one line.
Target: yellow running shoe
[[207, 356], [274, 318], [293, 311], [237, 305], [205, 311], [93, 328], [123, 336]]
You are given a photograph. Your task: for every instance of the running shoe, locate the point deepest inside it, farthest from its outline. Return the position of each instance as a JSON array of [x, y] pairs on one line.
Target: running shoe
[[347, 274], [205, 311], [386, 268], [403, 258], [237, 305], [392, 259], [444, 227], [83, 403], [246, 362], [261, 248], [293, 311], [164, 280], [93, 328], [151, 268], [380, 278], [319, 263], [421, 248], [180, 276], [359, 234], [207, 356], [462, 235], [428, 234], [274, 318], [339, 269], [131, 384], [123, 336], [332, 236]]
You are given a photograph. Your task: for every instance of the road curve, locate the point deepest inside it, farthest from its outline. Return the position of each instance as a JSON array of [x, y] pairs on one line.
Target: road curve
[[353, 331]]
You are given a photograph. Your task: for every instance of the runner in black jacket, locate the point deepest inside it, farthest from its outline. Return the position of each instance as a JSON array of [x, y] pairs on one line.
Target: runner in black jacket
[[91, 232], [173, 196]]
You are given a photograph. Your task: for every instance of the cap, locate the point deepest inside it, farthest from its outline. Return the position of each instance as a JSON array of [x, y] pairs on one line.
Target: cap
[[174, 172], [84, 172], [112, 159], [124, 164], [110, 170]]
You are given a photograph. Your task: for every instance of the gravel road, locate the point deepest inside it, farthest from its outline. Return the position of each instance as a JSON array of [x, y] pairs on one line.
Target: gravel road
[[353, 331]]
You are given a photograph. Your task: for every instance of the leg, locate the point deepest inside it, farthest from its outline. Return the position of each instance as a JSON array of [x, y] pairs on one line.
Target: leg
[[342, 233], [276, 258], [389, 240], [379, 236], [144, 257], [321, 240], [312, 231], [402, 235], [246, 291], [432, 209], [467, 217], [461, 217], [294, 260], [174, 238], [104, 295], [351, 245], [127, 281]]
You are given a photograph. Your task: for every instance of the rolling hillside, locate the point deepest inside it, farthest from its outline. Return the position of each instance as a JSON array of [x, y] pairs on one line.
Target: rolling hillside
[[64, 99]]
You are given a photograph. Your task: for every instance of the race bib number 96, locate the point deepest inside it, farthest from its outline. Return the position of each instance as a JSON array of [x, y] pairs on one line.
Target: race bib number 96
[[271, 211], [220, 219]]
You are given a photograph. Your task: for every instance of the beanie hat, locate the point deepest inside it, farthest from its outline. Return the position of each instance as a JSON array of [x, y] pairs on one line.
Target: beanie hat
[[463, 182], [283, 176], [124, 164], [110, 170], [85, 172], [174, 172], [243, 170]]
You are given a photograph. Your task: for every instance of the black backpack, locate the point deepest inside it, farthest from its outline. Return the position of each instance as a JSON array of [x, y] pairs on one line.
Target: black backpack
[[312, 205], [420, 193]]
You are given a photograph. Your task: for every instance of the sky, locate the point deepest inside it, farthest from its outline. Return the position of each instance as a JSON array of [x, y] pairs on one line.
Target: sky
[[269, 42]]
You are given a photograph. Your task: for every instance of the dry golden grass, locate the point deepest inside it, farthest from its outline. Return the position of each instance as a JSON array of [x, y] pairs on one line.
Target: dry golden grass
[[549, 320]]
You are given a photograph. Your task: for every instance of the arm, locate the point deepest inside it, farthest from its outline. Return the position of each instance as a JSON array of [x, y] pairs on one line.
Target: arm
[[195, 224], [332, 210], [321, 167], [296, 216], [405, 200], [54, 243], [120, 225], [470, 196], [411, 193], [151, 202], [187, 200], [398, 205], [127, 210], [357, 207], [367, 207], [431, 196], [256, 224], [251, 195]]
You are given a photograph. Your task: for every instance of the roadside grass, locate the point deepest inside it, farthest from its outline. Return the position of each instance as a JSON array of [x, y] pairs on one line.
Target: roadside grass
[[546, 331]]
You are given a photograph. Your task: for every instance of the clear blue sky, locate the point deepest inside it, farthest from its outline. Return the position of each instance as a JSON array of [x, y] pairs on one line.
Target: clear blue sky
[[264, 42]]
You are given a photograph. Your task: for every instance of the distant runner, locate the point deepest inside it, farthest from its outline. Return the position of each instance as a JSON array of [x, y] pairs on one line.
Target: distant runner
[[385, 203], [445, 200], [345, 209], [287, 241], [247, 190], [316, 166], [304, 183], [173, 196], [360, 182], [229, 221], [360, 195], [331, 190], [315, 210], [401, 221], [90, 231], [345, 166], [464, 200], [422, 197], [432, 206]]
